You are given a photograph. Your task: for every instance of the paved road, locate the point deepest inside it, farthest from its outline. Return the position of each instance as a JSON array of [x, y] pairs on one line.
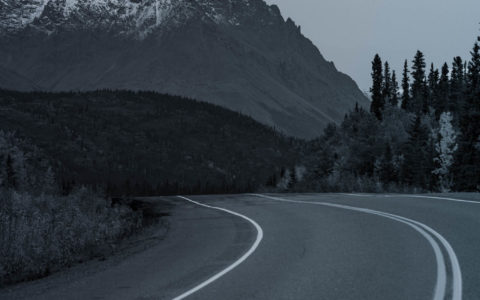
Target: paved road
[[304, 246]]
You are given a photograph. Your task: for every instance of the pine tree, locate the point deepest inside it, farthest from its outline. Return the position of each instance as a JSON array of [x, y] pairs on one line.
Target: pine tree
[[378, 101], [432, 90], [387, 84], [473, 74], [418, 85], [406, 101], [394, 97], [425, 104], [457, 86], [443, 91]]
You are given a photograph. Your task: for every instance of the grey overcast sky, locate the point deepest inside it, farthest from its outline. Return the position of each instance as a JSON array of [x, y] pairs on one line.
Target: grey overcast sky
[[350, 32]]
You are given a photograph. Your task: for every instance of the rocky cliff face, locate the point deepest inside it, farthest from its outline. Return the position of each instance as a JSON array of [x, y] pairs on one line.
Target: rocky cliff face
[[240, 54]]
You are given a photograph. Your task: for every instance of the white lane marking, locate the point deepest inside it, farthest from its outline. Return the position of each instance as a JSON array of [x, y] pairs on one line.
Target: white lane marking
[[442, 198], [456, 270], [355, 195], [457, 273], [413, 196], [440, 285], [236, 263]]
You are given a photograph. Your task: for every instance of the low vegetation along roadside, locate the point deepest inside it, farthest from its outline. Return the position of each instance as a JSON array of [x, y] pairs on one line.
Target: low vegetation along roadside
[[42, 231]]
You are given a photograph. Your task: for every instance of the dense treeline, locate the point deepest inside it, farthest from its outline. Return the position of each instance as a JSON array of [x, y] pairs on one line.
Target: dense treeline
[[145, 143], [424, 136]]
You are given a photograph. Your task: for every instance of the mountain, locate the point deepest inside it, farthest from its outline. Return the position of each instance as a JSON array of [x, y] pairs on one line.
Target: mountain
[[240, 54], [10, 78]]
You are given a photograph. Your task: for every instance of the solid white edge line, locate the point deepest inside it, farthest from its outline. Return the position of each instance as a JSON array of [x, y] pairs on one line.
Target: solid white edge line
[[412, 196], [442, 198], [236, 263], [440, 285]]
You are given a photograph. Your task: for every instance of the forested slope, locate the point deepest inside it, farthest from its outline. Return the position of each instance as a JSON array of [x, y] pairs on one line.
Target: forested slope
[[147, 143]]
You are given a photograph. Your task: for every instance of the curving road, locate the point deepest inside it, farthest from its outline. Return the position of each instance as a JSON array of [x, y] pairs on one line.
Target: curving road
[[302, 246]]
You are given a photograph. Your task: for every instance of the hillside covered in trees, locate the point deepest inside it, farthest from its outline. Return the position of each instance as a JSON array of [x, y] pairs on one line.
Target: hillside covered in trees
[[129, 143], [424, 136]]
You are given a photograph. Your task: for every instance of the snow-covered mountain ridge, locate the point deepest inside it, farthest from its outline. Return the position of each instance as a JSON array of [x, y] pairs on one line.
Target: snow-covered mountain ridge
[[137, 17], [239, 54]]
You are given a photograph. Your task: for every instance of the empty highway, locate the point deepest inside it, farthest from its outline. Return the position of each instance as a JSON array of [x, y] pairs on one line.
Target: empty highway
[[295, 246]]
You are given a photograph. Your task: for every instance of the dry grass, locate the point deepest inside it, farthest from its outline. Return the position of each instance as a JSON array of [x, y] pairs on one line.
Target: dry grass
[[41, 234]]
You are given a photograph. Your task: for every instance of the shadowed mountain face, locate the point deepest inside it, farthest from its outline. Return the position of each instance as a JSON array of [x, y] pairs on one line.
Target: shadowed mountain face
[[239, 54]]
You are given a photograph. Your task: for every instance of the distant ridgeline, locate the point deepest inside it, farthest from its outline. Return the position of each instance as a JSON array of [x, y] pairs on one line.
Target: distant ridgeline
[[145, 143]]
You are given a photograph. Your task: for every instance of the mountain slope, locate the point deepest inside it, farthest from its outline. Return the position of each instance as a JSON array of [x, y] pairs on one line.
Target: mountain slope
[[240, 54], [122, 139]]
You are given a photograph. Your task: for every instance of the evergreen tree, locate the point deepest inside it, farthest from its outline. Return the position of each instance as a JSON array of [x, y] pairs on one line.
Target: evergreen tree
[[406, 101], [378, 102], [418, 85], [457, 86], [473, 74], [387, 84], [394, 96], [433, 78], [443, 91], [426, 100]]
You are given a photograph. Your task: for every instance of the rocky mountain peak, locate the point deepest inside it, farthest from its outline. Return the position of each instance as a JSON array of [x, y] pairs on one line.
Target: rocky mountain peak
[[133, 17]]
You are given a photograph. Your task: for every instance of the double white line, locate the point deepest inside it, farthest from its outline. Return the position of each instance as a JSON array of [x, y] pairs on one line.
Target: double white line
[[428, 233]]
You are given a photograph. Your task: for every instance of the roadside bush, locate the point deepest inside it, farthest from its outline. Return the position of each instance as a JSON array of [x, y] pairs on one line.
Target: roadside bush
[[41, 234]]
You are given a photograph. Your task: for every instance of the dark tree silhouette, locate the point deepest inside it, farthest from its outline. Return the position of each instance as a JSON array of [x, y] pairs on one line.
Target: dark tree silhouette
[[406, 100], [418, 85], [387, 84], [394, 96], [378, 102]]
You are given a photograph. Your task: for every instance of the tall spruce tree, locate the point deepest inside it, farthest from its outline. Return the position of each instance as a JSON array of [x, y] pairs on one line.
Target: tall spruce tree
[[406, 101], [378, 102], [443, 92], [432, 89], [394, 96], [418, 85], [387, 84], [457, 86]]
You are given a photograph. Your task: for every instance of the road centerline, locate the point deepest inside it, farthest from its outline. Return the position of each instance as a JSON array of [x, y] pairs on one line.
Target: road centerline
[[440, 287]]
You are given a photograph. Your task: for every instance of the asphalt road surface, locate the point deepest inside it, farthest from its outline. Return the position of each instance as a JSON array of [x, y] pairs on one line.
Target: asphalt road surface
[[298, 246]]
